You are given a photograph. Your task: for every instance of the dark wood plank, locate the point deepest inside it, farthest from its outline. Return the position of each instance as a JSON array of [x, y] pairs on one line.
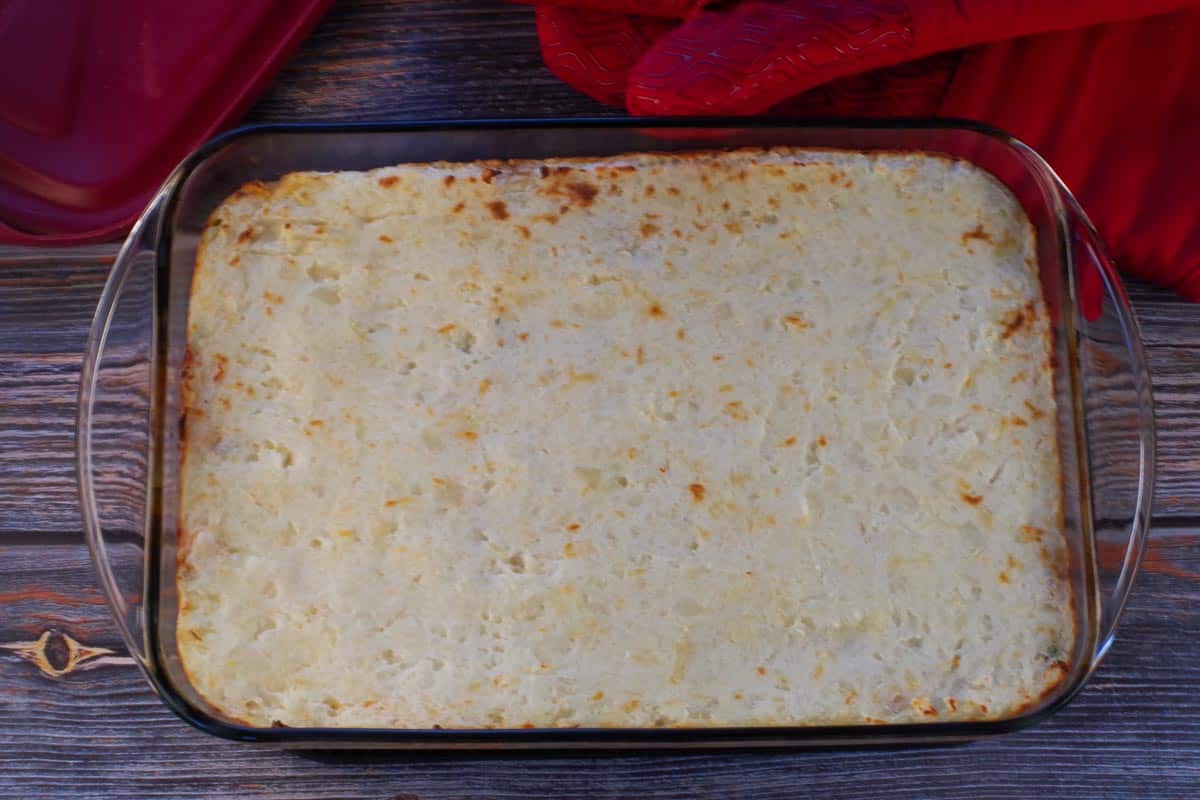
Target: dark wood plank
[[46, 305], [431, 59], [1164, 318], [1133, 732]]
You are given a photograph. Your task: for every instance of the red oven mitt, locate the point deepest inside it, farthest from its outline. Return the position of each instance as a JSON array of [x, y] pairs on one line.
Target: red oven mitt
[[1114, 106]]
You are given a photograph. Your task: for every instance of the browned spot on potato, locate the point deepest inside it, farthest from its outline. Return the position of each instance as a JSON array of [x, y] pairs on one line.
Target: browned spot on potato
[[458, 207], [253, 188], [397, 501], [789, 442], [1012, 562], [524, 232], [725, 205], [1014, 321], [822, 441], [631, 706], [390, 180], [499, 209], [697, 490], [656, 310], [649, 229], [233, 262], [449, 326], [1004, 578], [761, 670], [523, 336], [245, 236], [271, 297], [383, 237], [650, 190], [796, 322], [976, 233], [734, 227], [773, 202], [219, 371], [582, 192], [1034, 411], [598, 696], [641, 355], [924, 707], [734, 409], [448, 180], [950, 701], [1031, 533], [798, 187], [469, 436], [717, 357], [574, 526], [971, 499], [1018, 420], [673, 191]]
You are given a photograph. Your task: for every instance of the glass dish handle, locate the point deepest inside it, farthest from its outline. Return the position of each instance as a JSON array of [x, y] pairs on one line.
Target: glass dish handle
[[136, 254], [1099, 292]]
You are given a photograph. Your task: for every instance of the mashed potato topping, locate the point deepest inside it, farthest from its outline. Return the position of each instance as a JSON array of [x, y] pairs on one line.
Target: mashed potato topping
[[715, 439]]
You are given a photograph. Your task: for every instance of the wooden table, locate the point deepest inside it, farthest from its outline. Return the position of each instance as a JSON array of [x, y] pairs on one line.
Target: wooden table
[[76, 718]]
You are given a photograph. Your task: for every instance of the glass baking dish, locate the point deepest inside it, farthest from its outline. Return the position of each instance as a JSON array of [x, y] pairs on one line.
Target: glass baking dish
[[131, 377]]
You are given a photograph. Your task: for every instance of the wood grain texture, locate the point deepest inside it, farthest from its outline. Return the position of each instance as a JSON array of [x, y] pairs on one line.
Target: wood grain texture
[[443, 59], [77, 719]]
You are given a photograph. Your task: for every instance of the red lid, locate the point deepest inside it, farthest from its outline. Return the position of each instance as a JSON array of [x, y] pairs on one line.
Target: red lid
[[100, 101]]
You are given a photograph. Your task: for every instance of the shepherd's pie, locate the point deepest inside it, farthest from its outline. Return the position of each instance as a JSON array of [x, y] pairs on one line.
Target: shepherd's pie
[[707, 439]]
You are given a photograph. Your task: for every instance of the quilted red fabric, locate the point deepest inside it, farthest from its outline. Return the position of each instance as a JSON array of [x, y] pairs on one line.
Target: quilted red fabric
[[1107, 90]]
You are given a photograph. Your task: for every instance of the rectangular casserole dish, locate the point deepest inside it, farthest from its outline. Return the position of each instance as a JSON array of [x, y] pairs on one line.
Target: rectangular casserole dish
[[136, 352]]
